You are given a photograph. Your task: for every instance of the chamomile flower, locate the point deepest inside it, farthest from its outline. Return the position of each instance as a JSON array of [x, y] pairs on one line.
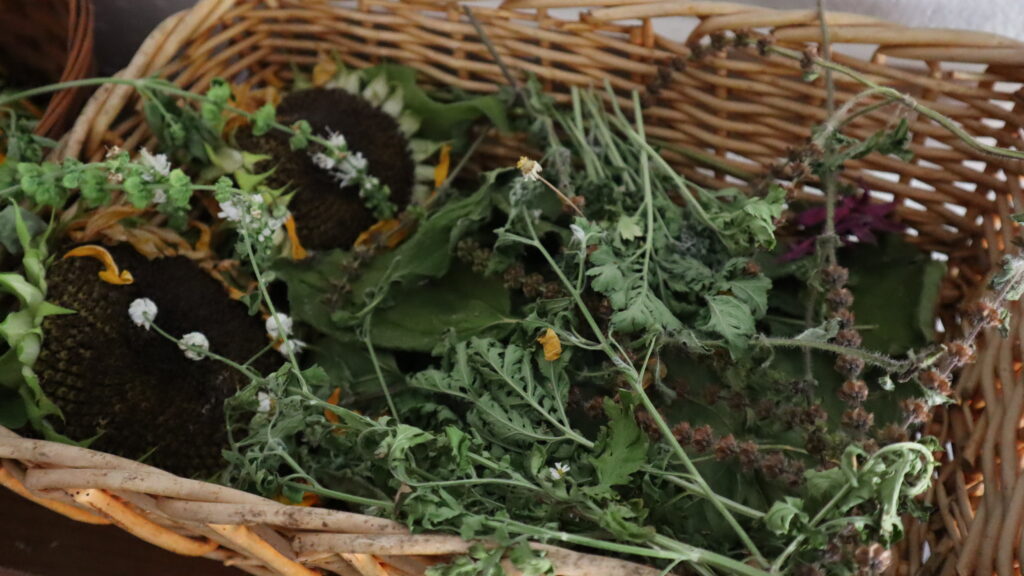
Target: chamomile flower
[[194, 345], [530, 169], [279, 325], [558, 471], [142, 312]]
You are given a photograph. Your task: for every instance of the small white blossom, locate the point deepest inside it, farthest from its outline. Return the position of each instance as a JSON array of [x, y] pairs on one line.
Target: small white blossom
[[112, 151], [157, 163], [229, 211], [292, 347], [193, 345], [264, 402], [324, 162], [351, 167], [530, 169], [578, 233], [159, 196], [143, 312], [336, 139], [558, 471], [279, 325]]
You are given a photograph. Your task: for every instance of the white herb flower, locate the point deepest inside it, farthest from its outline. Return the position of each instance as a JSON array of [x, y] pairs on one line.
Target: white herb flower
[[264, 402], [194, 344], [112, 151], [578, 233], [530, 169], [279, 325], [292, 347], [157, 163], [229, 211], [351, 167], [143, 312], [159, 196], [558, 471], [336, 139], [323, 161]]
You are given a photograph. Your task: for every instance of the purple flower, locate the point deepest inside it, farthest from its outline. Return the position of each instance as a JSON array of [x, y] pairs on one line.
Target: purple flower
[[857, 220]]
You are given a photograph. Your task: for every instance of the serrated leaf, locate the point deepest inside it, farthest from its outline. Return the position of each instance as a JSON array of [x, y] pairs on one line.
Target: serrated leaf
[[730, 319], [622, 449], [629, 228]]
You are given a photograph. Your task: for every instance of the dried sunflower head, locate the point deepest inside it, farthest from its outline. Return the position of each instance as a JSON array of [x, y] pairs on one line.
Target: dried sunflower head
[[131, 388]]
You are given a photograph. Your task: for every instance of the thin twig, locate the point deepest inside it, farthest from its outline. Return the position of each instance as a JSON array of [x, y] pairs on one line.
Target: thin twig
[[828, 239], [490, 48]]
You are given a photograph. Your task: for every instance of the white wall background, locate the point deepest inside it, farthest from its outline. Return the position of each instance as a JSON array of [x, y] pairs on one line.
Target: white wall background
[[121, 25]]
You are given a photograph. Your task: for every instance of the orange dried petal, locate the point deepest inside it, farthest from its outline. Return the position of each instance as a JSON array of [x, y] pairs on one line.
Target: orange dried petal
[[552, 345], [298, 252], [110, 273]]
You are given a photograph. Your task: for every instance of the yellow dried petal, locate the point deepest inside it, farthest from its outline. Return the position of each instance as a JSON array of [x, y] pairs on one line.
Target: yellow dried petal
[[552, 345], [391, 231], [324, 71], [333, 400], [298, 252], [443, 166], [110, 273]]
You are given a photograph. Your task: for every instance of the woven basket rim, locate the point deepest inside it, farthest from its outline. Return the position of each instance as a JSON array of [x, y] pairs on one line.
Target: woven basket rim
[[63, 107]]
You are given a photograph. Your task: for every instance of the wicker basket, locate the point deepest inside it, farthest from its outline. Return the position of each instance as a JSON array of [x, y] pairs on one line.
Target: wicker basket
[[47, 41], [729, 115]]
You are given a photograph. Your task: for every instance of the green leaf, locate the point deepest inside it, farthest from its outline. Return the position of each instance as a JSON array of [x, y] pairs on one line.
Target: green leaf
[[428, 253], [897, 292], [464, 302], [731, 319], [441, 119], [8, 227], [622, 449], [752, 291], [821, 334], [12, 410], [780, 519], [629, 228]]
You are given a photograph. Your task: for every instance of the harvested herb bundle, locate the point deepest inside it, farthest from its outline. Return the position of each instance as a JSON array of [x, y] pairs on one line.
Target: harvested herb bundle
[[587, 349]]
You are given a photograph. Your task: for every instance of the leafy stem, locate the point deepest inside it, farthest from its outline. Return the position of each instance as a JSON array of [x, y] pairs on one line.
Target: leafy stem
[[873, 358], [896, 96]]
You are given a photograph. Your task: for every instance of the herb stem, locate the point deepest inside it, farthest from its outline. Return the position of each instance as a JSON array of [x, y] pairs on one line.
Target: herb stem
[[872, 358], [905, 100]]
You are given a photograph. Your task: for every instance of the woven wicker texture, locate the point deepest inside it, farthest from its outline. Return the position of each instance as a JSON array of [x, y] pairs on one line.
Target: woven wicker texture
[[727, 116], [45, 41]]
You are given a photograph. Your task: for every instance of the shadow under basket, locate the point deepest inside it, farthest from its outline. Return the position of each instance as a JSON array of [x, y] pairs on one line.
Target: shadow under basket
[[727, 114]]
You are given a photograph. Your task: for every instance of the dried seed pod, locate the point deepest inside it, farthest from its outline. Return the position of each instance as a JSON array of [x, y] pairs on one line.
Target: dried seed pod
[[872, 559], [934, 381], [858, 419], [683, 433], [845, 317], [853, 391], [726, 447], [839, 298], [960, 352], [703, 438], [849, 366], [914, 410], [747, 454], [849, 338], [834, 277]]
